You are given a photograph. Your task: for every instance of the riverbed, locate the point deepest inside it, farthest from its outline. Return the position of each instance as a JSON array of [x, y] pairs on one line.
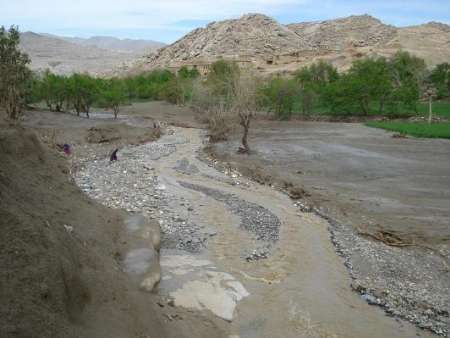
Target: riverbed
[[235, 249]]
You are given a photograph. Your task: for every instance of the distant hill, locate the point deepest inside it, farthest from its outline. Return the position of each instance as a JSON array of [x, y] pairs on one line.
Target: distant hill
[[69, 55], [259, 40], [123, 45]]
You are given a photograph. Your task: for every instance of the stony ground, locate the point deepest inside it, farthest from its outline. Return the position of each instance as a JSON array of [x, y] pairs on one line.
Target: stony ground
[[132, 184]]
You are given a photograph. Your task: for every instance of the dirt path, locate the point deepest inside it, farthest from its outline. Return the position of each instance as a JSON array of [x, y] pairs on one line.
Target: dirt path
[[241, 251]]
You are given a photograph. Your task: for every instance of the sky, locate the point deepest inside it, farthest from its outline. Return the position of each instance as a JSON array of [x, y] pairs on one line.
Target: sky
[[169, 20]]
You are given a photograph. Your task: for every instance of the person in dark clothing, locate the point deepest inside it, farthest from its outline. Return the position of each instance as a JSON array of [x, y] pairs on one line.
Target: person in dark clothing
[[67, 149], [114, 156]]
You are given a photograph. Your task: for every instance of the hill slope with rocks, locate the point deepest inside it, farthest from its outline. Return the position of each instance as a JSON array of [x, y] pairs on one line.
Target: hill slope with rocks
[[98, 56], [258, 40]]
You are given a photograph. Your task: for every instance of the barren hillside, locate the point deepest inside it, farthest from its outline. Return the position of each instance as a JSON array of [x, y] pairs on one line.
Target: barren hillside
[[122, 45], [64, 57], [271, 47]]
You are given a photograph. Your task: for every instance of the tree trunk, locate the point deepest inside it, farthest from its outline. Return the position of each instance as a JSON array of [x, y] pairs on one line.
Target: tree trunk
[[116, 111], [245, 123], [430, 109], [381, 107], [13, 108], [244, 140], [49, 105]]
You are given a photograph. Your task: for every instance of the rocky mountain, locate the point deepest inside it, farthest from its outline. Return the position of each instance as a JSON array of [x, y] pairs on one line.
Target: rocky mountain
[[340, 34], [258, 40], [65, 57]]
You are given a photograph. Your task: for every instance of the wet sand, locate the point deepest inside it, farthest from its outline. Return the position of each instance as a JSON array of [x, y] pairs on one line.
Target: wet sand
[[361, 173]]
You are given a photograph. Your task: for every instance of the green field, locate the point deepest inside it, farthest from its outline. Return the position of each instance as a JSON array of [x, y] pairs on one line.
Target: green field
[[441, 108], [434, 130]]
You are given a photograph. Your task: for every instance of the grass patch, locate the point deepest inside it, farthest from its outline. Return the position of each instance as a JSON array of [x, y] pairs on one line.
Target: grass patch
[[434, 130], [440, 108]]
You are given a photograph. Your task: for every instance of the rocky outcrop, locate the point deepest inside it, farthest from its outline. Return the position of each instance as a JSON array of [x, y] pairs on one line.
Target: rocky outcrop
[[269, 46], [251, 37], [338, 35]]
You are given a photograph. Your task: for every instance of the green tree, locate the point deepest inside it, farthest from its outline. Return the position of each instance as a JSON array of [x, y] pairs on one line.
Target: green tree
[[83, 90], [317, 74], [278, 95], [440, 77], [186, 73], [313, 81], [222, 80], [407, 76], [53, 90], [367, 83], [114, 95], [14, 73]]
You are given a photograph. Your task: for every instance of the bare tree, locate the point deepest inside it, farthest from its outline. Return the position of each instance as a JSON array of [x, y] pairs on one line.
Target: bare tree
[[245, 104]]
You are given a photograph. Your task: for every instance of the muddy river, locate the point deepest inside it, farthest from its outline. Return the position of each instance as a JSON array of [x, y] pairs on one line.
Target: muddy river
[[240, 251]]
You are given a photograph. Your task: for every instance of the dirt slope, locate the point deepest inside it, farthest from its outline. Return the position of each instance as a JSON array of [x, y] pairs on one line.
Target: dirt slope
[[61, 254]]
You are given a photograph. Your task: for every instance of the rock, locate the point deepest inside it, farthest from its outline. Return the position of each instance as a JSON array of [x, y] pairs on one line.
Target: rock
[[358, 286], [68, 228], [370, 299]]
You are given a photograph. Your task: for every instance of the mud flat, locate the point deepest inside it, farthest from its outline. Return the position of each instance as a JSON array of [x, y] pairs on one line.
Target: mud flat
[[385, 199], [235, 250]]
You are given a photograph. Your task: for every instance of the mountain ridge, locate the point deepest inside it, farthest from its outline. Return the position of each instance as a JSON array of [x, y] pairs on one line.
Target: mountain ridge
[[113, 43], [272, 47]]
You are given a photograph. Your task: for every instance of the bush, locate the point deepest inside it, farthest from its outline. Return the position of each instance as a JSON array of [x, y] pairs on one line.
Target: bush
[[220, 124]]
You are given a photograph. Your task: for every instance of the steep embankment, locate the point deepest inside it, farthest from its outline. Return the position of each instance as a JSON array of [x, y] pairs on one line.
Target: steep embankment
[[61, 255], [269, 46], [60, 274]]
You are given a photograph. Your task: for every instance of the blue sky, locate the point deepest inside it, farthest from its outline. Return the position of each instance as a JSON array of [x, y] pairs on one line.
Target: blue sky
[[168, 20]]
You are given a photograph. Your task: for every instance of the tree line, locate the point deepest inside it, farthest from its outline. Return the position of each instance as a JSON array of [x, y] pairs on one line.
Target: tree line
[[80, 92], [372, 86], [19, 86], [381, 86]]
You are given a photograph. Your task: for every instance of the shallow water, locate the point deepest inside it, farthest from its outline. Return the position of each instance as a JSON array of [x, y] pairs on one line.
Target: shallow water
[[302, 288]]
